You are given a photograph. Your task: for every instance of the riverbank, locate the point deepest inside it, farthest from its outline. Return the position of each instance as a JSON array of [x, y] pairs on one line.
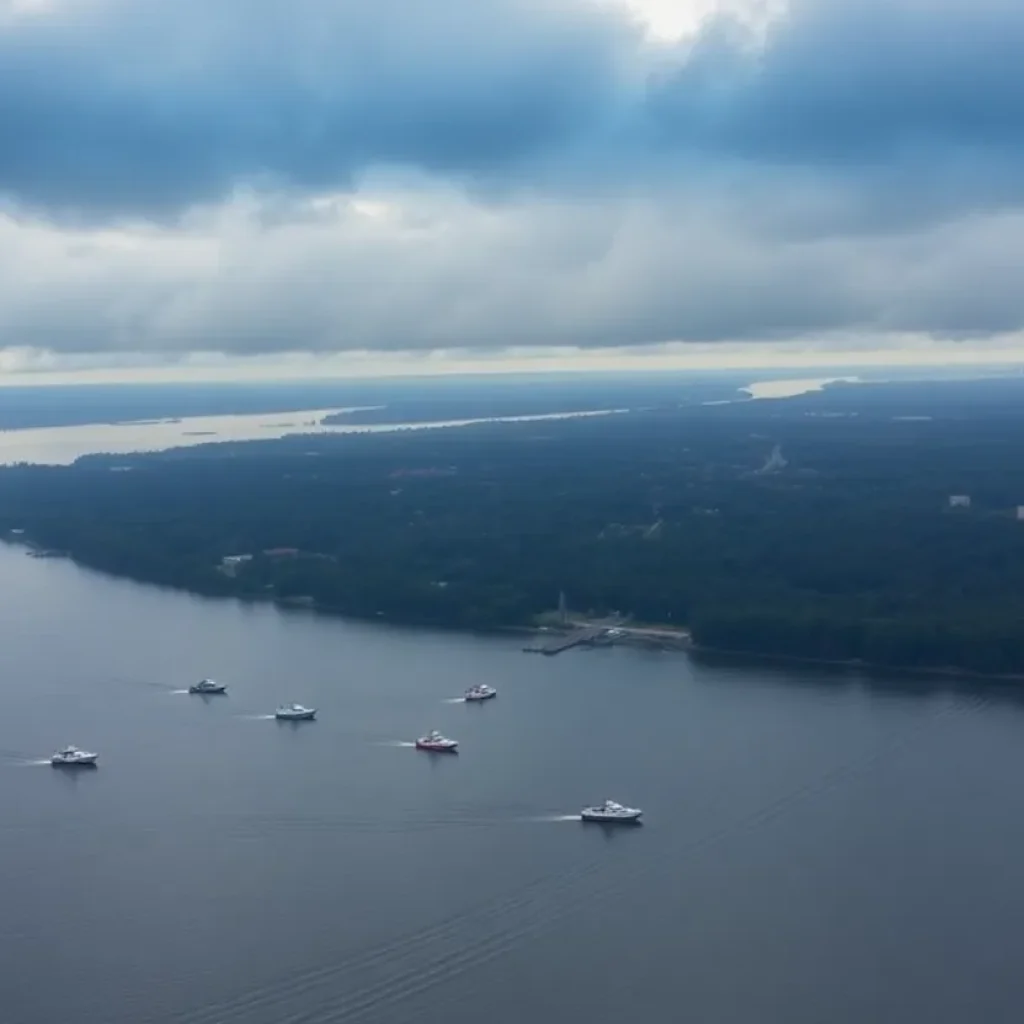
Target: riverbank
[[550, 637], [674, 638], [852, 665]]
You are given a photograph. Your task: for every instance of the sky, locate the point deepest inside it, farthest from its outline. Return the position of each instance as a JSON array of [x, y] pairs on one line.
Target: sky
[[330, 187]]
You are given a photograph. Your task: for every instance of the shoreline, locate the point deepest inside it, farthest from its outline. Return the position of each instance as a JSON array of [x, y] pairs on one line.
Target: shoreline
[[673, 639], [856, 665]]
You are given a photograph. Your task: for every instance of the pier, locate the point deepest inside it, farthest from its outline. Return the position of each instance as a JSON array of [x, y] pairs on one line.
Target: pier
[[565, 641], [664, 639]]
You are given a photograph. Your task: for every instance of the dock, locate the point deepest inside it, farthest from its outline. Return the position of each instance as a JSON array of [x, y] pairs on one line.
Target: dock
[[664, 639], [565, 641]]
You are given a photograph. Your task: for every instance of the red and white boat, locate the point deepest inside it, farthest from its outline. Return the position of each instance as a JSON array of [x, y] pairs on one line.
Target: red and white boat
[[437, 744]]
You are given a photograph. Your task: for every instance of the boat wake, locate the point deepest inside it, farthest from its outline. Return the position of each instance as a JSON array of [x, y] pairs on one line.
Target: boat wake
[[454, 700], [134, 682], [554, 817], [257, 718], [396, 743], [178, 692], [395, 973], [19, 759]]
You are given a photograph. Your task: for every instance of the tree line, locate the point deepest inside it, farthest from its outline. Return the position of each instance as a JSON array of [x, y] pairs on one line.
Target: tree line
[[849, 552]]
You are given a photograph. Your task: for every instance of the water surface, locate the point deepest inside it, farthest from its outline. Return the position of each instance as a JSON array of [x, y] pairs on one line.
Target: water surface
[[817, 847], [793, 388], [62, 445]]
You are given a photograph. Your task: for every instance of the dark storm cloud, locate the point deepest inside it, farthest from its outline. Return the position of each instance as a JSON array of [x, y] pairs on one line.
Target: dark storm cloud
[[140, 106], [850, 84], [135, 107]]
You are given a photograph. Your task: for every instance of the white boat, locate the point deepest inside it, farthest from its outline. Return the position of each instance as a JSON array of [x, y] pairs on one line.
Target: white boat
[[480, 692], [437, 744], [72, 757], [208, 686], [611, 813], [295, 713]]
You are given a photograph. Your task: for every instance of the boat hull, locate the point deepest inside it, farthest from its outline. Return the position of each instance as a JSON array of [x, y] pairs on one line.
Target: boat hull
[[438, 748], [479, 698], [207, 692], [85, 762], [608, 819], [305, 716]]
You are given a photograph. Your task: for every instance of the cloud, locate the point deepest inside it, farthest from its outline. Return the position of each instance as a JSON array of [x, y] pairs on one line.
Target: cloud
[[913, 103], [250, 176], [432, 269], [146, 107], [853, 82], [142, 107]]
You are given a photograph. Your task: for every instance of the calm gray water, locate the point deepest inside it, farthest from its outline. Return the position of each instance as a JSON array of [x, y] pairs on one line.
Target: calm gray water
[[817, 849]]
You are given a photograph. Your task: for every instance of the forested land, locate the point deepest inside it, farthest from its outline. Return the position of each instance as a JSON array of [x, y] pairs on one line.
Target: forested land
[[841, 547]]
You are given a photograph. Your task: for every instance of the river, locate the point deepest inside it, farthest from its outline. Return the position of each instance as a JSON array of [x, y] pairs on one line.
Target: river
[[61, 446], [817, 847], [793, 388]]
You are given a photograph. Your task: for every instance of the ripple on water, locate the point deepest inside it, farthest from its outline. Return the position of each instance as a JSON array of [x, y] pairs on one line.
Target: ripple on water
[[394, 972]]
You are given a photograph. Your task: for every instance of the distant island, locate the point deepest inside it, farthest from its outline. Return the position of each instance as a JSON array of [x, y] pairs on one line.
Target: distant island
[[869, 525]]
